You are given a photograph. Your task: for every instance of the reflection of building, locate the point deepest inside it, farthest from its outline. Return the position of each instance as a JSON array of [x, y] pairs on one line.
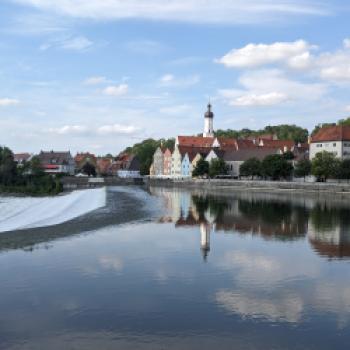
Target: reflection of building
[[271, 217], [205, 239], [328, 234]]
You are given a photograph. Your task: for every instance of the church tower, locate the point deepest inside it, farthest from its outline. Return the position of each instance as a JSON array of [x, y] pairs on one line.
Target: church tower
[[208, 123]]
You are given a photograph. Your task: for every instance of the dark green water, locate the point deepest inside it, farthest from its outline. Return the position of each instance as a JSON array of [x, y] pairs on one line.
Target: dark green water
[[195, 271]]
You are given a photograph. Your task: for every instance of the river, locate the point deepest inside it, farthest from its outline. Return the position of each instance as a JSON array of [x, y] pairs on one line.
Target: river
[[175, 269]]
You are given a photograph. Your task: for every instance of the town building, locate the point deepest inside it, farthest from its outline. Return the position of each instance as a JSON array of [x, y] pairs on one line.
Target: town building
[[126, 165], [57, 162], [22, 158], [334, 139], [82, 159]]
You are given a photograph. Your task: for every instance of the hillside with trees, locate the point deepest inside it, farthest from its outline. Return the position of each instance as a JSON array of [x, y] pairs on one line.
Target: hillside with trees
[[283, 132]]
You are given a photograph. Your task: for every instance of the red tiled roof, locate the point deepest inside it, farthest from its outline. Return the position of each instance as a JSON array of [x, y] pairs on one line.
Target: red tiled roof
[[196, 141], [279, 144], [332, 133]]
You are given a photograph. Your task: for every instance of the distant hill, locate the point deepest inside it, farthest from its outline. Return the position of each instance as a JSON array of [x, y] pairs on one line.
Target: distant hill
[[283, 132]]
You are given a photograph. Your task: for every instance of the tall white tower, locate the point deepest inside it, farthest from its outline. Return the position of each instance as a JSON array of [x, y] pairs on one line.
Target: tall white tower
[[208, 123]]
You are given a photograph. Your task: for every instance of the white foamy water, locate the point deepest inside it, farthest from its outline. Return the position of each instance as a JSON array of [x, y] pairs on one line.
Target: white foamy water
[[29, 212]]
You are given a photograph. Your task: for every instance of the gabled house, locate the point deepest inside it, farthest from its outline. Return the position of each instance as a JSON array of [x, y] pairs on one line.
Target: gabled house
[[57, 162], [126, 165], [334, 139], [158, 162], [81, 159], [167, 162], [22, 158], [176, 163], [186, 166]]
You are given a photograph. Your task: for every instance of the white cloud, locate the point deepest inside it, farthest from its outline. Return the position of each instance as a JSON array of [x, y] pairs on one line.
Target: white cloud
[[117, 90], [117, 129], [268, 99], [346, 43], [95, 80], [334, 66], [294, 54], [94, 130], [70, 130], [347, 108], [79, 43], [5, 102], [169, 80], [271, 87], [197, 11]]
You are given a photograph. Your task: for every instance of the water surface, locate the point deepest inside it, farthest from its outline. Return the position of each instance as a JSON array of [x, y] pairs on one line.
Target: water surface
[[173, 269]]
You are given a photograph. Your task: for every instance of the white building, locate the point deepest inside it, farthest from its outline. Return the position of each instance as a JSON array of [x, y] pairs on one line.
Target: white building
[[333, 139]]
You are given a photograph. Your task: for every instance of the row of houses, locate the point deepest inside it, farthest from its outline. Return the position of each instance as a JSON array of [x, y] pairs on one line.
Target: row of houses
[[123, 165], [182, 160]]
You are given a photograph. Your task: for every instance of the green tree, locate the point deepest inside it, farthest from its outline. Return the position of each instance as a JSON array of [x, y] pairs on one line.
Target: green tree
[[302, 168], [8, 167], [325, 165], [344, 170], [89, 169], [201, 169], [276, 167], [217, 167], [251, 167]]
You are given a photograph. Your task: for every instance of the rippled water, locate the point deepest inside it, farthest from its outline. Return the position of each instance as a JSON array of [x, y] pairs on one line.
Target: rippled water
[[193, 270]]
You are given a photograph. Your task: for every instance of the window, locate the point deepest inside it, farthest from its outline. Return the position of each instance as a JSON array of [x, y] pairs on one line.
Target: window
[[334, 145]]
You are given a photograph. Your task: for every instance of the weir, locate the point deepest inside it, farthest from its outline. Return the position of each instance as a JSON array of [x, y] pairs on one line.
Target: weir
[[73, 183]]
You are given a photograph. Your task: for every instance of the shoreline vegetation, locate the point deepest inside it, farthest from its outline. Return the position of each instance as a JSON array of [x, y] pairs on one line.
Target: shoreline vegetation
[[27, 178]]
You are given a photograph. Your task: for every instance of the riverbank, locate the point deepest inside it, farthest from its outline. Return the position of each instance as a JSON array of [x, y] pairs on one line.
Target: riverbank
[[259, 186]]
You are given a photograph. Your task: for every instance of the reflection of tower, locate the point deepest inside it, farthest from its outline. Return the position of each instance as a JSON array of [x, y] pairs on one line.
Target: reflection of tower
[[205, 229], [208, 123]]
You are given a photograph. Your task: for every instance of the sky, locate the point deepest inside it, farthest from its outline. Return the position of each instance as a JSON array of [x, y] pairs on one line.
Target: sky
[[101, 75]]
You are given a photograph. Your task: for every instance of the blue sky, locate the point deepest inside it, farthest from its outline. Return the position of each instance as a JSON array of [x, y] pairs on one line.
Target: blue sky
[[100, 75]]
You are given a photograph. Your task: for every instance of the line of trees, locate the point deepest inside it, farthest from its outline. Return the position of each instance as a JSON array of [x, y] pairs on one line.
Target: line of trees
[[29, 178], [325, 165]]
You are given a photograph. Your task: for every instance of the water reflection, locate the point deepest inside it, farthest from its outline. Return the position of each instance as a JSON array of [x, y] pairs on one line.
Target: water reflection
[[324, 221]]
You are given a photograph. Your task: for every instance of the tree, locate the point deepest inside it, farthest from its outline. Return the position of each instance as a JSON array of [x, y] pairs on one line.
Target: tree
[[325, 165], [217, 167], [89, 169], [289, 155], [275, 166], [201, 169], [344, 170], [251, 167], [8, 167], [302, 168], [35, 167]]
